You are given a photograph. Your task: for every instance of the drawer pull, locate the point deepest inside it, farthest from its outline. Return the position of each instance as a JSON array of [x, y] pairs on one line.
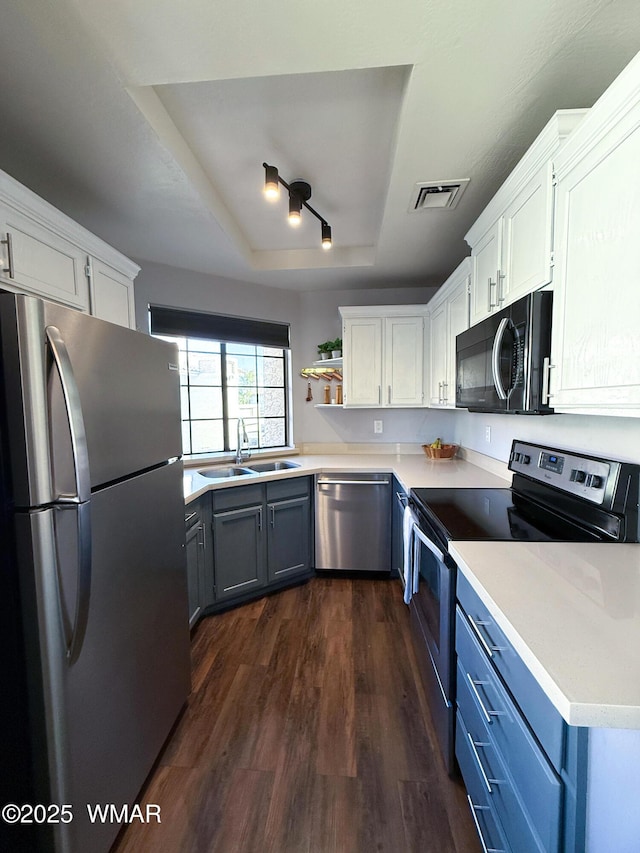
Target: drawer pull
[[481, 704], [473, 745], [475, 625], [9, 267], [474, 808]]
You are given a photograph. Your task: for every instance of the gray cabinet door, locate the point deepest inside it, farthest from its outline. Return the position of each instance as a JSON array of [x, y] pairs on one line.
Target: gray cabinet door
[[288, 537], [238, 551], [195, 571]]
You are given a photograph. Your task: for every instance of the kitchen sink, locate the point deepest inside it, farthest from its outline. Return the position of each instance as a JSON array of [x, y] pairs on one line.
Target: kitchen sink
[[279, 465], [224, 473]]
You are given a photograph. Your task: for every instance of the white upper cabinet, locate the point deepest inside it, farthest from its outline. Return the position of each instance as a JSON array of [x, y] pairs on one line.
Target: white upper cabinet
[[383, 356], [512, 241], [486, 259], [37, 260], [596, 312], [111, 294], [362, 361], [448, 316], [44, 253], [404, 361]]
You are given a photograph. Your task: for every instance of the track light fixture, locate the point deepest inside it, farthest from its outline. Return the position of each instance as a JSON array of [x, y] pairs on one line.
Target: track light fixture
[[299, 195]]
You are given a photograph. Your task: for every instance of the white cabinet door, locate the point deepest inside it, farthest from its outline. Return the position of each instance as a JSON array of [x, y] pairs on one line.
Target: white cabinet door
[[36, 260], [486, 260], [438, 353], [111, 295], [596, 321], [362, 355], [403, 361], [458, 321], [447, 319], [526, 263]]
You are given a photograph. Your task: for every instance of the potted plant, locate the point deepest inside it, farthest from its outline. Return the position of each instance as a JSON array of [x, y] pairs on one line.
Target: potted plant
[[336, 348], [325, 349]]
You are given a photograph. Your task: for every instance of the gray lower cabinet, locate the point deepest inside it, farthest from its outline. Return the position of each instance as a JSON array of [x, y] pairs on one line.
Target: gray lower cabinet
[[238, 551], [198, 558], [289, 537], [261, 537]]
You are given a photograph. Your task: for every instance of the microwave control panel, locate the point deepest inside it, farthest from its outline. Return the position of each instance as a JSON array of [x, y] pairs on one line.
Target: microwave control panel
[[584, 476]]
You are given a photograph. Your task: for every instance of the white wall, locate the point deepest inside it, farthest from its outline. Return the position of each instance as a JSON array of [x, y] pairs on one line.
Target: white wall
[[163, 285], [617, 438]]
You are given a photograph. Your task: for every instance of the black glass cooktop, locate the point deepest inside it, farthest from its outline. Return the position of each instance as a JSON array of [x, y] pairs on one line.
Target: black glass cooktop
[[494, 514]]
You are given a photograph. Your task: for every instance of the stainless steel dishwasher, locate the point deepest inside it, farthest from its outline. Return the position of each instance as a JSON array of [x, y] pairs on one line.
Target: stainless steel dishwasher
[[353, 522]]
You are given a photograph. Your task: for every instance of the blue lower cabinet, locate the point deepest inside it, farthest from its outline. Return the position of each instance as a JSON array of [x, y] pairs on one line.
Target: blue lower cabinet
[[502, 760], [479, 793], [520, 812]]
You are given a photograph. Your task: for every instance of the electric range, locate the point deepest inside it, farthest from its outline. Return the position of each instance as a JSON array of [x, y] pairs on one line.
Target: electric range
[[556, 495]]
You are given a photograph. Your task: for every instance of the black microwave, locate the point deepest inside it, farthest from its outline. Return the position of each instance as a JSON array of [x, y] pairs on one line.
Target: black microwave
[[502, 363]]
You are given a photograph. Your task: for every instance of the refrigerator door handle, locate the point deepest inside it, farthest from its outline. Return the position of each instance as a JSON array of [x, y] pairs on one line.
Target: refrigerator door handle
[[81, 501], [74, 416], [83, 583]]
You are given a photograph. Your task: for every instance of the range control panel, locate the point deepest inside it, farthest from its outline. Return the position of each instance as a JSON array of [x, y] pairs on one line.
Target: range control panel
[[579, 475]]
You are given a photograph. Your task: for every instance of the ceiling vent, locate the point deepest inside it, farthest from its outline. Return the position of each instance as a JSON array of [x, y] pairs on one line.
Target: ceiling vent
[[437, 195]]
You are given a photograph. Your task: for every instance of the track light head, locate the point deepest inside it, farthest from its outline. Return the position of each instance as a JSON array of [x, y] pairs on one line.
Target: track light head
[[295, 209], [299, 193], [326, 236], [271, 183]]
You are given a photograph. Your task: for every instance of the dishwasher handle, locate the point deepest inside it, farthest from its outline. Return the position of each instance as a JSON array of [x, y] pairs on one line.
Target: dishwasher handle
[[353, 482]]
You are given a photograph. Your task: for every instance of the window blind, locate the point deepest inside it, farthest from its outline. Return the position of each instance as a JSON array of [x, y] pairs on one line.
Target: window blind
[[218, 327]]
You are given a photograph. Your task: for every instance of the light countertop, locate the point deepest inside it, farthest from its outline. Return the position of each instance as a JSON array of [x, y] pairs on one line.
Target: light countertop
[[572, 612], [413, 470]]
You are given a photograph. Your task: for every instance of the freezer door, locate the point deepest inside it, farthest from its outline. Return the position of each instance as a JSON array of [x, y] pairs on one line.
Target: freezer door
[[126, 384], [109, 712]]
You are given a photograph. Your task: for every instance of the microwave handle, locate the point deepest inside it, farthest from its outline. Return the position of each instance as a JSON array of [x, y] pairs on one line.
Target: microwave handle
[[495, 357]]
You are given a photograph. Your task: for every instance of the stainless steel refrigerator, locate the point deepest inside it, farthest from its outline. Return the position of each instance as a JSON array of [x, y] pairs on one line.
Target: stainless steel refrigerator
[[94, 615]]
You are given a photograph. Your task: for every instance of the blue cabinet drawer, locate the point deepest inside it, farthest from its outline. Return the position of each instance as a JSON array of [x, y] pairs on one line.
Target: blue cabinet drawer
[[529, 802], [484, 817], [537, 708]]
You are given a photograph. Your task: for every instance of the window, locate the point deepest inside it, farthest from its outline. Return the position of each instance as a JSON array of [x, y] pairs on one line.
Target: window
[[222, 381]]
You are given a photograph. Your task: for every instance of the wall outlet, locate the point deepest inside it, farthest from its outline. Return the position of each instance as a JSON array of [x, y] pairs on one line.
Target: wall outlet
[[377, 427], [487, 433]]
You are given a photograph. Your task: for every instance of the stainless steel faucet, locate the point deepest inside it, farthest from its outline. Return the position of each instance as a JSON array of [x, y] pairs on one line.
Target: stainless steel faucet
[[242, 438]]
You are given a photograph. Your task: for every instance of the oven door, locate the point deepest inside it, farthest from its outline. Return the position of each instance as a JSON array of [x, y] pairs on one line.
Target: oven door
[[432, 616]]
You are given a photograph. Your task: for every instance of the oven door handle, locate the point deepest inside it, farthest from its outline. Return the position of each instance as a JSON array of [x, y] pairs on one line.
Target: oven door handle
[[428, 543]]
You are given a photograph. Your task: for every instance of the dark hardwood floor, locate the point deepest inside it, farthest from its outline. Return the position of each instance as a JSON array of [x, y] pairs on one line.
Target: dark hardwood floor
[[305, 732]]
